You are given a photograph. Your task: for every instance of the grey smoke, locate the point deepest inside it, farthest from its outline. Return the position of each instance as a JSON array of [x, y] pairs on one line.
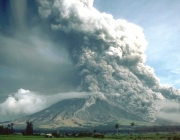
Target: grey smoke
[[109, 55], [169, 110]]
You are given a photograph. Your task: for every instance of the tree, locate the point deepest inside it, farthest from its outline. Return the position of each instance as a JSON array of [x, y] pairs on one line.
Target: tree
[[12, 128], [29, 128], [132, 125], [8, 129], [117, 127], [1, 129]]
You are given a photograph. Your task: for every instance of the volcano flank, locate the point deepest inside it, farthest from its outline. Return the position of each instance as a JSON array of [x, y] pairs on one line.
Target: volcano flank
[[71, 113]]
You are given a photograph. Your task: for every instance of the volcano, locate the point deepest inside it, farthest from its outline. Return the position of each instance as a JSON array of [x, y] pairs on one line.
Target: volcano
[[83, 113], [72, 113], [85, 51]]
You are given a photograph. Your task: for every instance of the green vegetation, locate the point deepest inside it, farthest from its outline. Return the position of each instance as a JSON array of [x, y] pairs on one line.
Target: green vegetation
[[16, 137], [107, 137], [120, 132]]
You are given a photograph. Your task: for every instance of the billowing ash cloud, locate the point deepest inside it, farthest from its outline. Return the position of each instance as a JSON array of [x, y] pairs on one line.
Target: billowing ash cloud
[[109, 55]]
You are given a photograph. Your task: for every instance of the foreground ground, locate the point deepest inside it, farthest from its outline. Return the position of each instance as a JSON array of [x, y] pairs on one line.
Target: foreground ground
[[107, 137]]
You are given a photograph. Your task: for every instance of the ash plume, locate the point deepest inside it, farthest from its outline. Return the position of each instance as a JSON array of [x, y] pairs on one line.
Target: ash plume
[[109, 55]]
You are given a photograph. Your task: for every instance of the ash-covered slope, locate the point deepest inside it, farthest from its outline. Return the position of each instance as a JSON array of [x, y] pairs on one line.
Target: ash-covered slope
[[76, 113]]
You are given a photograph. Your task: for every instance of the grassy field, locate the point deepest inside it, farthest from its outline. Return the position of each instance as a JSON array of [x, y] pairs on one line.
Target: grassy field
[[107, 137]]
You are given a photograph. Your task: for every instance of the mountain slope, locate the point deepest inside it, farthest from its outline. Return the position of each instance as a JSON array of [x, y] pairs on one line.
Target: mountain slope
[[74, 113]]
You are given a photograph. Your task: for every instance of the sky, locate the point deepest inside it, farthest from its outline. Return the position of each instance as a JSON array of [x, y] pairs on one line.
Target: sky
[[160, 23], [34, 59]]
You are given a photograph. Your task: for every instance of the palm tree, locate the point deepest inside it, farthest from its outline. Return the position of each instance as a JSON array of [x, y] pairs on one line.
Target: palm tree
[[132, 125], [8, 129], [117, 127], [9, 126], [29, 128], [12, 129]]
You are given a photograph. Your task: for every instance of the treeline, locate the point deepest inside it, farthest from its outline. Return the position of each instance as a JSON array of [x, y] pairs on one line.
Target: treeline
[[144, 129], [163, 128], [9, 129]]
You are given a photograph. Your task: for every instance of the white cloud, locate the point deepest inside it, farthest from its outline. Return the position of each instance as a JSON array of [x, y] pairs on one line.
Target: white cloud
[[22, 102], [174, 117], [26, 102], [175, 71]]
